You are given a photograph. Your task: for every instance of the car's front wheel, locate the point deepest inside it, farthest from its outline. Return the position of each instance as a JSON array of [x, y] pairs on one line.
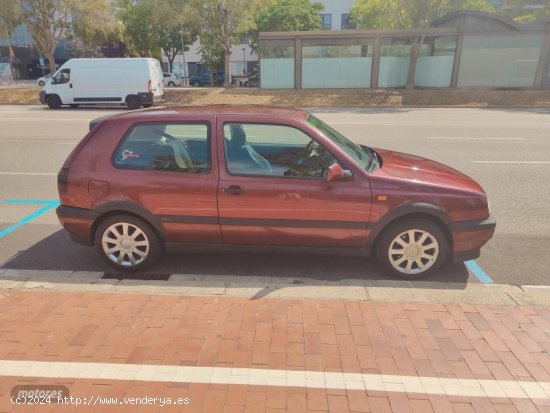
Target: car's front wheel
[[171, 84], [195, 83], [412, 248], [127, 243]]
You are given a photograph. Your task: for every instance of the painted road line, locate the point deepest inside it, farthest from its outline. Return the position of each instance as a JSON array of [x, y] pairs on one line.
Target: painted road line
[[279, 378], [48, 205], [474, 139], [29, 173], [514, 162], [481, 275]]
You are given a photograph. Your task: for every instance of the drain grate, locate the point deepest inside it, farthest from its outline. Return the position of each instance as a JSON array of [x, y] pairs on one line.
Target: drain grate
[[137, 276]]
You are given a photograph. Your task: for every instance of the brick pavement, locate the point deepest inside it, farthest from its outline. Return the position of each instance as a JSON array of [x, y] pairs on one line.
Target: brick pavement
[[451, 341]]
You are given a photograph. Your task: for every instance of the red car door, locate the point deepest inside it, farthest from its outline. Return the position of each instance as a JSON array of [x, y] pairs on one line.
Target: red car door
[[273, 188]]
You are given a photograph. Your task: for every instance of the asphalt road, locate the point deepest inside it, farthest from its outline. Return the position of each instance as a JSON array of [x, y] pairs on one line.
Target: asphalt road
[[507, 151]]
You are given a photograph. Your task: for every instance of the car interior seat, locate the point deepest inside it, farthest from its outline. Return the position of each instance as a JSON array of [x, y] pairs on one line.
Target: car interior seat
[[241, 156]]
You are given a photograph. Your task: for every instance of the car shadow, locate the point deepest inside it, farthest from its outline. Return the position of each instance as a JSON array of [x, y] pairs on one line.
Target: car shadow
[[58, 253]]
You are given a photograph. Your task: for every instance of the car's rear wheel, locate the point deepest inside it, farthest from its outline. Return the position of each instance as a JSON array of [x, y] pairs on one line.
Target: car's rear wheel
[[171, 84], [195, 83], [54, 102], [412, 249], [133, 102], [127, 243]]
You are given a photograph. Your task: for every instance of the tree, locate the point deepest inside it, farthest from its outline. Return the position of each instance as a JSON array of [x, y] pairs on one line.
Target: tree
[[521, 11], [174, 23], [10, 16], [409, 14], [223, 21], [50, 20], [285, 16], [139, 27]]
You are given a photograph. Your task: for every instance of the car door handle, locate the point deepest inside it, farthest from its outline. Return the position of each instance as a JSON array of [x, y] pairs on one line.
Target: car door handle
[[233, 190]]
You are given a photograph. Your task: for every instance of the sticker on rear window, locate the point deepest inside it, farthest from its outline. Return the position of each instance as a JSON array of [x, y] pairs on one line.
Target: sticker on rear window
[[129, 154]]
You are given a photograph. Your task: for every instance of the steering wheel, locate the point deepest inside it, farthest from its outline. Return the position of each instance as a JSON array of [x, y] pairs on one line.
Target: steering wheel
[[180, 149]]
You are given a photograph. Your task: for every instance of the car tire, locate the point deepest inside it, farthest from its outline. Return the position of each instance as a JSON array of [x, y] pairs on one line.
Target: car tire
[[412, 248], [41, 83], [127, 243], [195, 83], [148, 105], [171, 84], [54, 102], [132, 101]]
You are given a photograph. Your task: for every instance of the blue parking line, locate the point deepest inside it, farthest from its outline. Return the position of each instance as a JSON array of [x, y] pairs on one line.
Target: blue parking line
[[48, 206], [481, 275]]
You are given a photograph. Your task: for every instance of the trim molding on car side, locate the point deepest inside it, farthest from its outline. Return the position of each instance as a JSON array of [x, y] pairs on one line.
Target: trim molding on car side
[[75, 212], [294, 223], [488, 223], [396, 213], [126, 206], [263, 222]]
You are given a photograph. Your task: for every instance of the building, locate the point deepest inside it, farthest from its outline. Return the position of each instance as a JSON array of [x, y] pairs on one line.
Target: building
[[467, 49]]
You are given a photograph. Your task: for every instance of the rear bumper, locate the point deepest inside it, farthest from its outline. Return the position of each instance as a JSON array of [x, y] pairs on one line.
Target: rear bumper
[[470, 236], [78, 222]]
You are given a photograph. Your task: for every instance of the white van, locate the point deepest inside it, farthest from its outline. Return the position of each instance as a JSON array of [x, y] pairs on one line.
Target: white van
[[135, 82]]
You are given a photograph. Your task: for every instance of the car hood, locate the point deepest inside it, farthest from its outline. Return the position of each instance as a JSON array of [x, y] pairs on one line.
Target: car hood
[[418, 170]]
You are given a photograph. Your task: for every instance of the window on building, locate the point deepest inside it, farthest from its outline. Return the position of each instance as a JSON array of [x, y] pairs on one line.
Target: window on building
[[326, 21], [347, 23]]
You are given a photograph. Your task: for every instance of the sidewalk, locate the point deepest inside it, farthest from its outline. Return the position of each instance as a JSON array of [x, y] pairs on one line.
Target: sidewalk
[[234, 354]]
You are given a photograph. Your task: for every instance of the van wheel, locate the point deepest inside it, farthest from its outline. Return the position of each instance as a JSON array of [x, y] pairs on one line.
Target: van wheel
[[54, 102], [412, 249], [127, 243], [133, 102]]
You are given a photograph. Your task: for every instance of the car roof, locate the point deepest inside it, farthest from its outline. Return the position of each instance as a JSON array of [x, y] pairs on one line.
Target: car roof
[[248, 110]]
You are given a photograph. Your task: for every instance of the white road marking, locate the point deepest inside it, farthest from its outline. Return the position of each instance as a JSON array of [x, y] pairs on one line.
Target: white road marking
[[515, 162], [66, 143], [279, 378], [43, 119], [29, 173], [474, 139]]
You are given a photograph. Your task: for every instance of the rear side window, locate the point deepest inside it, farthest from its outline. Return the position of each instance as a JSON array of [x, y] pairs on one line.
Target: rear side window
[[178, 147]]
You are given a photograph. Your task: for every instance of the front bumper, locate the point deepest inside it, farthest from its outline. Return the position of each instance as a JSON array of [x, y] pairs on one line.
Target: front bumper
[[78, 222], [42, 97], [470, 236]]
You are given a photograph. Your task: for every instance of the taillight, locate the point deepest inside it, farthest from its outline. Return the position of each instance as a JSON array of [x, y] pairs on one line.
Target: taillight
[[150, 85], [63, 181]]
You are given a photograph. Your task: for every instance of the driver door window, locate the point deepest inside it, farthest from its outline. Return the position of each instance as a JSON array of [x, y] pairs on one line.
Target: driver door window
[[64, 76], [274, 150]]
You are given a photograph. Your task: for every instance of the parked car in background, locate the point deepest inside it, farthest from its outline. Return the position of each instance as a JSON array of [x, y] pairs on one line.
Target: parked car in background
[[208, 78], [171, 80], [266, 178], [252, 81], [42, 80]]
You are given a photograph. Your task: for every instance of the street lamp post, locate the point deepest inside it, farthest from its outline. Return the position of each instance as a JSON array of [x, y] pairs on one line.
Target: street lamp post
[[183, 54]]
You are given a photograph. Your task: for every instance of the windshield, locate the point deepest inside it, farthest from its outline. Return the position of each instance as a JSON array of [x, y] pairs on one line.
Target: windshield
[[362, 157]]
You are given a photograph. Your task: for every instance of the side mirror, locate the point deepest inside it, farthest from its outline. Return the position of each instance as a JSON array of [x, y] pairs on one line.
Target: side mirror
[[337, 173]]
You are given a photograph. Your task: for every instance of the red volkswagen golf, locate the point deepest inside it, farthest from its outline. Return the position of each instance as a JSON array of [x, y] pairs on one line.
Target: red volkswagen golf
[[255, 176]]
